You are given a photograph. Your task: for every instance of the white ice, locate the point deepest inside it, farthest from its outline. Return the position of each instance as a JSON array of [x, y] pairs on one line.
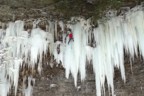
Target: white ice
[[112, 38]]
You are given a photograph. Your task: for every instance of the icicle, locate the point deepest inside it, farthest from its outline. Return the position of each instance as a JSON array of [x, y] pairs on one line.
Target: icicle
[[76, 47], [28, 91], [68, 59], [89, 51], [61, 24], [39, 44], [17, 64], [76, 51], [56, 34], [35, 23], [5, 85], [51, 27], [58, 53], [51, 30]]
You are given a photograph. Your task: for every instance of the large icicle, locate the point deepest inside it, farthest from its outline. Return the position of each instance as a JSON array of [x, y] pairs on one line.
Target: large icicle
[[13, 57]]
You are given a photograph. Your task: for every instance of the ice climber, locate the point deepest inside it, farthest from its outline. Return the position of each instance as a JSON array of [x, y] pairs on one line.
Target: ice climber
[[70, 35]]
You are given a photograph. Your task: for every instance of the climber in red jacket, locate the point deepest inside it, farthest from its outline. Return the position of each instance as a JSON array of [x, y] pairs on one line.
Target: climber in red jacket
[[70, 35]]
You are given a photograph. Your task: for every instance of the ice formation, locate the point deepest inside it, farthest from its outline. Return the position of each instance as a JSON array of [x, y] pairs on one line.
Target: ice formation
[[111, 39], [16, 48]]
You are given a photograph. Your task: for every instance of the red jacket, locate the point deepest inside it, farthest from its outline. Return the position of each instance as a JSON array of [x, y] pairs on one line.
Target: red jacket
[[70, 35]]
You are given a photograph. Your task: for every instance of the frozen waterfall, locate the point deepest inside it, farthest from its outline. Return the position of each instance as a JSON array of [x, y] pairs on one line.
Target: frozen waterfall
[[112, 38]]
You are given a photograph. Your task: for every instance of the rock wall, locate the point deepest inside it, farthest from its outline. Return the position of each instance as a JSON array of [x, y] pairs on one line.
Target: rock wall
[[27, 3], [11, 10]]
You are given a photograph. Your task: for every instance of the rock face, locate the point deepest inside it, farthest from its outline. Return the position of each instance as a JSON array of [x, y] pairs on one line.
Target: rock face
[[27, 3], [11, 10], [54, 83]]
